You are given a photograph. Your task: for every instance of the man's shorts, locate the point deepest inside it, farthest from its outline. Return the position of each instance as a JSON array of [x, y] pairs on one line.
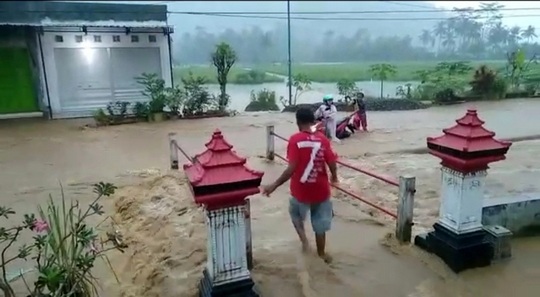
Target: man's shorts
[[321, 214]]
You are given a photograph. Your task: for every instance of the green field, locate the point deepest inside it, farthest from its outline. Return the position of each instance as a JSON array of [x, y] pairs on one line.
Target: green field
[[237, 75], [327, 73], [331, 73]]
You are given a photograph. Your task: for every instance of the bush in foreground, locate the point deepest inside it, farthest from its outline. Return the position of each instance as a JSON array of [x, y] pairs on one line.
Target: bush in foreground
[[64, 247], [371, 105]]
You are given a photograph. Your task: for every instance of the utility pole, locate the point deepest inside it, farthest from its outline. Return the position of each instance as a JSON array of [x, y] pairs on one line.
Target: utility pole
[[289, 48]]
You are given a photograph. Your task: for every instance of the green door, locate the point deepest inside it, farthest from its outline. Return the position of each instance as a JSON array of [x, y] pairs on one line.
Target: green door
[[17, 92]]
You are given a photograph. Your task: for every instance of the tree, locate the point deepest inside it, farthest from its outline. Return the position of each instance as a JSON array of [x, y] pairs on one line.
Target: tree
[[529, 33], [515, 64], [223, 59], [439, 31], [382, 72], [426, 38], [346, 87], [301, 84]]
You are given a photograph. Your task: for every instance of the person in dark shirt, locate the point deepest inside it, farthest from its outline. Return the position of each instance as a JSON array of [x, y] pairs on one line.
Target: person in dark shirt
[[360, 107]]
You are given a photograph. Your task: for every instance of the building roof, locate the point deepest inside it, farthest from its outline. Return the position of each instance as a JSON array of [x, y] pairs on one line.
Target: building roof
[[56, 13]]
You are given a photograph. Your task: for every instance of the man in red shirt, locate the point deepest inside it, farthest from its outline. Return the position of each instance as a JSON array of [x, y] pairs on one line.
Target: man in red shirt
[[308, 153]]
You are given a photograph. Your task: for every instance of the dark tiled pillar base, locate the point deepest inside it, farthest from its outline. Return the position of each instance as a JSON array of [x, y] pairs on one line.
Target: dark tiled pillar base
[[458, 251]]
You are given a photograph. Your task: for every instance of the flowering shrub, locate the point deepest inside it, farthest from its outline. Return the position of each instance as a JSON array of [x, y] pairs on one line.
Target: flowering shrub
[[64, 247]]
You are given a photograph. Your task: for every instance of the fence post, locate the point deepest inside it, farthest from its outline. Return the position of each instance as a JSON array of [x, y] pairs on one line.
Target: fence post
[[173, 150], [404, 222], [270, 142]]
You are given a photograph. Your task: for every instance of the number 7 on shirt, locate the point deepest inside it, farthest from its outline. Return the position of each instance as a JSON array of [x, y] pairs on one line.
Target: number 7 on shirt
[[315, 146]]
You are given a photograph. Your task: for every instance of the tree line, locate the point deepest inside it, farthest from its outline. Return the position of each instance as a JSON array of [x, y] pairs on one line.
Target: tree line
[[470, 34]]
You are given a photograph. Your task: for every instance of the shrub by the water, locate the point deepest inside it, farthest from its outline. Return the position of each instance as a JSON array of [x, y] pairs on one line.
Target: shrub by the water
[[393, 104], [371, 105], [254, 77], [264, 100]]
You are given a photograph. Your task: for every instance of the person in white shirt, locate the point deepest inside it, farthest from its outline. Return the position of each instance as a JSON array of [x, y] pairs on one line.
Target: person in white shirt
[[328, 112]]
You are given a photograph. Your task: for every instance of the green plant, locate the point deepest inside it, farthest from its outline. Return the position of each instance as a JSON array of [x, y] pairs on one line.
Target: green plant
[[198, 99], [263, 100], [118, 109], [443, 84], [500, 87], [154, 89], [141, 110], [488, 84], [175, 97], [301, 84], [223, 59], [251, 77], [483, 81], [453, 68], [101, 117], [346, 87], [65, 247], [382, 72]]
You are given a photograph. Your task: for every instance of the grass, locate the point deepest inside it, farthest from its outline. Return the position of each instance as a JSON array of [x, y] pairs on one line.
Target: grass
[[331, 73], [209, 73]]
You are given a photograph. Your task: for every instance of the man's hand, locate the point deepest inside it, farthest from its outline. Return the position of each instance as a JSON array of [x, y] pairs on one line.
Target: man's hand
[[268, 189], [334, 180]]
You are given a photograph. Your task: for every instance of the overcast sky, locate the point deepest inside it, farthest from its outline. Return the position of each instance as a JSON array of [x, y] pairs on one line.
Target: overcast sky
[[510, 16]]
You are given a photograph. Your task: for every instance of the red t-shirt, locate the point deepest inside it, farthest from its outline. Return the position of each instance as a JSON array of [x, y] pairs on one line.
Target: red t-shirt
[[311, 151]]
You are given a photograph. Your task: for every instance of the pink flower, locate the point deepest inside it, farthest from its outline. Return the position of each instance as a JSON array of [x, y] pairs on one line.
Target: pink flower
[[40, 226]]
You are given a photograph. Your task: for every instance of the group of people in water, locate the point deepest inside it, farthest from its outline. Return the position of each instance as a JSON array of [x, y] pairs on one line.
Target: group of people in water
[[336, 130]]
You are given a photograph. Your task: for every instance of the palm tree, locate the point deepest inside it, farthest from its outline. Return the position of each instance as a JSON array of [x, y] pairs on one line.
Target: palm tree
[[529, 33], [449, 41], [498, 36], [425, 37], [514, 35], [439, 31]]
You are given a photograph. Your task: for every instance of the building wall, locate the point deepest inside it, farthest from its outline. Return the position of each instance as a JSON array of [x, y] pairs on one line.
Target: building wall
[[25, 37], [54, 39]]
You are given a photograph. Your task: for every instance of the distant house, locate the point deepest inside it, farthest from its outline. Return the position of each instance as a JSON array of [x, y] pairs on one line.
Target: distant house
[[67, 59]]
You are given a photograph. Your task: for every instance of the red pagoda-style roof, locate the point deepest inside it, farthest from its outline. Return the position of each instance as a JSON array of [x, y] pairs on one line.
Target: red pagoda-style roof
[[219, 165], [468, 146], [469, 135]]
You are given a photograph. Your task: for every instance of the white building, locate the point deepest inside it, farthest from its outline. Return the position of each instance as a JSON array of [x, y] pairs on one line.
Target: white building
[[67, 59]]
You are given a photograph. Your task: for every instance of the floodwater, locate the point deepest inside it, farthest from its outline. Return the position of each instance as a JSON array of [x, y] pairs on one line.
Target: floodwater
[[240, 94], [166, 232]]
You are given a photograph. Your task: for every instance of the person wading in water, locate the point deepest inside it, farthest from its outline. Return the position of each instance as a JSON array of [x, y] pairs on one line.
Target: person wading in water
[[328, 112], [308, 153], [360, 108]]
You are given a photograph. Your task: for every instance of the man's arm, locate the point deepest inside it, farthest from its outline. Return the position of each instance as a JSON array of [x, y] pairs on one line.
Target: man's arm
[[330, 157], [292, 157]]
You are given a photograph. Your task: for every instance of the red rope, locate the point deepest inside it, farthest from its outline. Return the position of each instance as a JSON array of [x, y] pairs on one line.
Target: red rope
[[355, 196], [388, 180]]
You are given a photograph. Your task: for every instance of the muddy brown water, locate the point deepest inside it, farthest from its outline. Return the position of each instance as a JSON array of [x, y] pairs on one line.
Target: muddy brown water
[[167, 247]]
